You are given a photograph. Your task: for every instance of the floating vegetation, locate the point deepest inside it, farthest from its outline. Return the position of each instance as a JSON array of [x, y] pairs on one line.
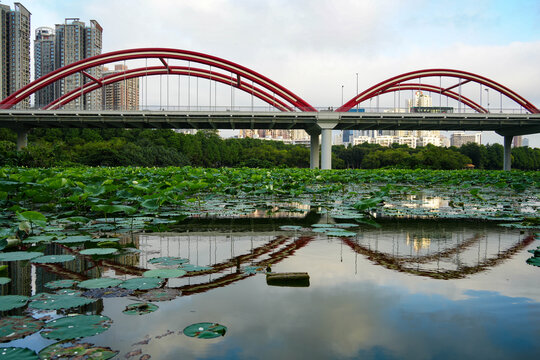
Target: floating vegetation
[[140, 309], [44, 301], [75, 327], [98, 251], [342, 233], [17, 353], [99, 283], [100, 293], [253, 269], [50, 259], [36, 239], [69, 350], [192, 268], [61, 284], [160, 295], [17, 327], [205, 330], [8, 302], [74, 239], [4, 280], [164, 273], [144, 283], [290, 227], [168, 261], [19, 255]]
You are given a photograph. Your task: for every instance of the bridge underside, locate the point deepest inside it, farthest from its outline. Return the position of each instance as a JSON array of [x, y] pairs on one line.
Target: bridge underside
[[504, 124]]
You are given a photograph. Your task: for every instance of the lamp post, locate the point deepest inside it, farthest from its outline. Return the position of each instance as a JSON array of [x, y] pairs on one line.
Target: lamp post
[[487, 93], [342, 94], [356, 90]]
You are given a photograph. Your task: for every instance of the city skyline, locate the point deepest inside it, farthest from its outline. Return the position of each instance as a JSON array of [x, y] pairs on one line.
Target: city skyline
[[318, 47]]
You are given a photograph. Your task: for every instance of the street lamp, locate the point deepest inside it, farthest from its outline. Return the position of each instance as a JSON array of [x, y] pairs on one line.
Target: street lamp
[[342, 94], [487, 93], [356, 90]]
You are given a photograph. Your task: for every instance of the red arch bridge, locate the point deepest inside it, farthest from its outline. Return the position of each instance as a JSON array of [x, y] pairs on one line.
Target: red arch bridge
[[289, 110]]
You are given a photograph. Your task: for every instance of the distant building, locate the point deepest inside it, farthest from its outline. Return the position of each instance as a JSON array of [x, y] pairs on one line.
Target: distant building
[[44, 64], [525, 142], [121, 95], [288, 136], [517, 141], [14, 50], [459, 138], [75, 41]]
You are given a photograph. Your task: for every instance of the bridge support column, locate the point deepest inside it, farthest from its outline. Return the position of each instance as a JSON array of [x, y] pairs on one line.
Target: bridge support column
[[314, 143], [22, 138], [507, 152], [327, 121]]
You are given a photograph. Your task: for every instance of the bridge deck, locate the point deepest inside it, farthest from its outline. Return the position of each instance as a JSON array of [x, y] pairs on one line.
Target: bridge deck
[[504, 124]]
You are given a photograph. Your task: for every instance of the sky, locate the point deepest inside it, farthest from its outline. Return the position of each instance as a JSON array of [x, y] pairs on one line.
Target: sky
[[315, 48]]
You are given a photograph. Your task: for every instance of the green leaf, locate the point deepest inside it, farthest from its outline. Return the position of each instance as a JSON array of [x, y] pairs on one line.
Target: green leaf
[[164, 273], [140, 309], [205, 330], [99, 283], [61, 284], [98, 251], [19, 255], [74, 327], [74, 239], [8, 302], [168, 261], [51, 259], [4, 280], [17, 327], [17, 353], [33, 217], [141, 283], [39, 239], [71, 350], [44, 301]]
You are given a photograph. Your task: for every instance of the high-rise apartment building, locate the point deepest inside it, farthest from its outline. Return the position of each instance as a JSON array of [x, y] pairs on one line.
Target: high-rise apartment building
[[14, 50], [121, 95], [459, 138], [44, 63], [75, 41]]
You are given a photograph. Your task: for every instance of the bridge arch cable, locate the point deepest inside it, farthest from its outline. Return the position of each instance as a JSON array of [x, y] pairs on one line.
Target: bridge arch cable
[[397, 83], [262, 89]]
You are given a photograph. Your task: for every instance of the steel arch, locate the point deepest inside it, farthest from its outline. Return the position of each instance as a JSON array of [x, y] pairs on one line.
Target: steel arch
[[161, 54], [468, 76], [437, 89], [171, 70]]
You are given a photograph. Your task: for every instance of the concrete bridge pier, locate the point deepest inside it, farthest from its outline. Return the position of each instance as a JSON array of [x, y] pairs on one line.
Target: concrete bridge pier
[[507, 164], [22, 138], [327, 121], [314, 153]]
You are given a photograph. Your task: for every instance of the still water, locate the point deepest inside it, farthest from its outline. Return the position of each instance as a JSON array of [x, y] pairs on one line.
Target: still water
[[406, 290]]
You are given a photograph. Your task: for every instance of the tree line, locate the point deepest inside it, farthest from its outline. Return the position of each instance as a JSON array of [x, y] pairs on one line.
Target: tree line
[[149, 147]]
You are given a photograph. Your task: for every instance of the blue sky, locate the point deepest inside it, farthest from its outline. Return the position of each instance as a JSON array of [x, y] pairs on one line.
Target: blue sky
[[314, 47]]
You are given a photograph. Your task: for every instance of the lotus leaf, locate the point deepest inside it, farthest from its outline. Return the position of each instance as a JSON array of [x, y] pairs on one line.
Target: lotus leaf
[[60, 284], [38, 239], [44, 301], [50, 259], [75, 327], [98, 240], [346, 225], [160, 295], [74, 239], [168, 261], [99, 283], [4, 280], [69, 350], [68, 292], [164, 273], [17, 327], [8, 302], [205, 330], [535, 261], [140, 309], [107, 293], [33, 217], [322, 226], [17, 353], [341, 233], [98, 251], [190, 267], [141, 283], [19, 255], [290, 227]]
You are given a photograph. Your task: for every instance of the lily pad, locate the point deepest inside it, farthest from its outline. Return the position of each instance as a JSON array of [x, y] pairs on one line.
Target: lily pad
[[4, 280], [168, 261], [39, 239], [98, 251], [61, 284], [17, 353], [74, 239], [69, 350], [141, 283], [290, 227], [160, 295], [205, 330], [50, 259], [19, 255], [341, 233], [74, 327], [8, 302], [535, 261], [99, 283], [346, 225], [322, 226], [164, 273], [191, 267], [107, 293], [44, 301], [140, 309], [17, 327]]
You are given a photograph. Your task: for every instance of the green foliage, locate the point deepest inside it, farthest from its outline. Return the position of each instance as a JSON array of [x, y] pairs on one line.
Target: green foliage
[[74, 327]]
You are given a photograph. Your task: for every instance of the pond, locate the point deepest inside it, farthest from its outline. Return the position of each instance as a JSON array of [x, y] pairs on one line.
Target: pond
[[407, 289]]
